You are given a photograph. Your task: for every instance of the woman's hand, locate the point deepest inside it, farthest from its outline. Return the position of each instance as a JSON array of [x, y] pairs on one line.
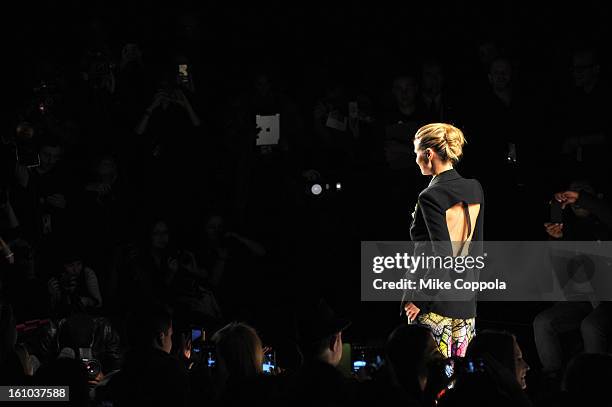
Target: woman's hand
[[411, 311], [554, 230]]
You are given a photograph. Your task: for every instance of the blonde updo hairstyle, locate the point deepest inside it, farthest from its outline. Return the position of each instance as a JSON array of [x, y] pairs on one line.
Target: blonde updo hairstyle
[[446, 140]]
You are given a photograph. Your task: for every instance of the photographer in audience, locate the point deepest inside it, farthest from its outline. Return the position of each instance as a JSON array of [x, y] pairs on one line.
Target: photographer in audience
[[75, 288]]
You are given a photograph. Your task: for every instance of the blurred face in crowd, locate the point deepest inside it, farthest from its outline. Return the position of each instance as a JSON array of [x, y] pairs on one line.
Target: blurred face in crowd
[[188, 27], [487, 52], [432, 79], [500, 74], [73, 268], [165, 340], [585, 69], [107, 171], [160, 236], [405, 91], [49, 157], [215, 228], [263, 86], [521, 366], [70, 275]]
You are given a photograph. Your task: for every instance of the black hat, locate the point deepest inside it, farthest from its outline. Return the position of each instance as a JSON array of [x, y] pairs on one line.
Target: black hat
[[317, 321]]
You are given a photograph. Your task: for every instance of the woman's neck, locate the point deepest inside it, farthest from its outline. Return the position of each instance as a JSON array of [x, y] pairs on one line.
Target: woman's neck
[[437, 170]]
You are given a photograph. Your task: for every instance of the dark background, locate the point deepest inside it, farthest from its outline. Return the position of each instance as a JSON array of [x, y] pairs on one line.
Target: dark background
[[305, 48]]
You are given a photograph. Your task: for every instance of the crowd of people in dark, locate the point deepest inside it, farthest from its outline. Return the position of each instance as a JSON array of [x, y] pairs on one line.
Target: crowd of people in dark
[[155, 252]]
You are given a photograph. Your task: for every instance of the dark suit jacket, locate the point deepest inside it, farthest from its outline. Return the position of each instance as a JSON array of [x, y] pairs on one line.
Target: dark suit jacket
[[429, 229]]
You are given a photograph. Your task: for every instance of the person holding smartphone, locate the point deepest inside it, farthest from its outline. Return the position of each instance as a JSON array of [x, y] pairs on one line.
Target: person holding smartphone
[[449, 218], [585, 217]]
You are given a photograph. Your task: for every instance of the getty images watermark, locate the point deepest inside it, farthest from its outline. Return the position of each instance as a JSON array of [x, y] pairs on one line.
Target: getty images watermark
[[410, 264], [487, 271]]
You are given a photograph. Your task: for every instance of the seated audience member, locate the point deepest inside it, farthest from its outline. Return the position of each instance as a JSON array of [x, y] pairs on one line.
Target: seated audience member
[[239, 374], [223, 256], [590, 218], [586, 128], [586, 379], [319, 335], [75, 288], [149, 269], [504, 348], [150, 376], [401, 121], [438, 107], [492, 373], [411, 352]]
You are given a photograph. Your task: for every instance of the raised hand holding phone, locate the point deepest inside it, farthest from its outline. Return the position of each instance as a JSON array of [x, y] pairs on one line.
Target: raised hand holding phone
[[567, 198]]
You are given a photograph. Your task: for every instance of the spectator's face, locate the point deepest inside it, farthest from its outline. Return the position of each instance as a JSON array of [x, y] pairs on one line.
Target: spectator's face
[[160, 236], [404, 90], [107, 172], [215, 228], [500, 75], [487, 52], [262, 85], [73, 269], [421, 158], [521, 366], [49, 157], [166, 340], [584, 69], [432, 79], [188, 27]]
